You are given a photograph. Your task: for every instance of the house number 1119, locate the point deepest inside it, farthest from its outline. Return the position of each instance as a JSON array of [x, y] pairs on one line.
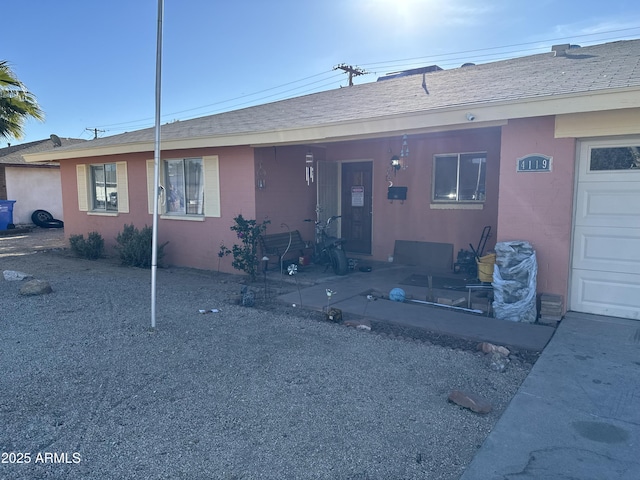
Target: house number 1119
[[534, 163]]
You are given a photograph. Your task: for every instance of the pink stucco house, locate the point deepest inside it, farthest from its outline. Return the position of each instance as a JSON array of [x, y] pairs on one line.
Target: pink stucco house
[[543, 148]]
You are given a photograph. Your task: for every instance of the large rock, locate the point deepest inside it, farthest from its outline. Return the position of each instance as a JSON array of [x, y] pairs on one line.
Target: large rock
[[36, 287], [470, 401]]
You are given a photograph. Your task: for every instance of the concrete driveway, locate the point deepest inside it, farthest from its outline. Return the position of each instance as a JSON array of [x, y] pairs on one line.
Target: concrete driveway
[[27, 241]]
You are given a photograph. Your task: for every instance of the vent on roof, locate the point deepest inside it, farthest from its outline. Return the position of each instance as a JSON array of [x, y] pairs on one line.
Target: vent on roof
[[413, 71], [468, 64], [561, 50]]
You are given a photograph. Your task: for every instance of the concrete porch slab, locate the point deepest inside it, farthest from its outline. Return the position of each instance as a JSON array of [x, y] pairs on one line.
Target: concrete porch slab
[[350, 297]]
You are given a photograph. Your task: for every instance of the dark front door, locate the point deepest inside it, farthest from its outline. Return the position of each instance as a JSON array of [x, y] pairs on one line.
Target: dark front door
[[356, 206]]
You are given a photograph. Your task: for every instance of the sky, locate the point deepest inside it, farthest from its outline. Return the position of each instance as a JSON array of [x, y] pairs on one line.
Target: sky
[[92, 65]]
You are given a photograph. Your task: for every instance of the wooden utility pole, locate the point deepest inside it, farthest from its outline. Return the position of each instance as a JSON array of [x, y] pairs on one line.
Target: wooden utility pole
[[352, 71], [95, 132]]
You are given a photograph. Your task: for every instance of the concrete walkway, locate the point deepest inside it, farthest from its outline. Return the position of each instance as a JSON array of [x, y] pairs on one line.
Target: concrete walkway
[[350, 297], [577, 414]]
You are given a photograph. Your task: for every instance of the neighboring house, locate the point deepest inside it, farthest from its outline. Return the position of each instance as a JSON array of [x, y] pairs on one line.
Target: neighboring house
[[34, 186], [541, 148]]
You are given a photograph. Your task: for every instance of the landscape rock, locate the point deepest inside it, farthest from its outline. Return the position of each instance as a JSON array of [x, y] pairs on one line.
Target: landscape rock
[[487, 347], [36, 287], [468, 400], [497, 361], [359, 324], [12, 275]]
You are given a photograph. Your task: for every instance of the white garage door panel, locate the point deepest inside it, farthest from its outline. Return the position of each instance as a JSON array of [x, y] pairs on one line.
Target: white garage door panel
[[613, 294], [605, 264], [609, 250], [608, 204]]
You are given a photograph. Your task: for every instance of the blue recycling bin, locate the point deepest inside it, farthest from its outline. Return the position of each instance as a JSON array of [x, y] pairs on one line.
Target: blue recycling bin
[[6, 214]]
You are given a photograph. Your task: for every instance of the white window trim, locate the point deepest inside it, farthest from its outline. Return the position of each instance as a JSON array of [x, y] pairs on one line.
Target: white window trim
[[85, 191], [457, 206], [211, 190], [447, 204]]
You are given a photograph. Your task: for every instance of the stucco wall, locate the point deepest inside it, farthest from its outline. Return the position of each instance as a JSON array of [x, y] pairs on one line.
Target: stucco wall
[[34, 188], [286, 198], [191, 243], [536, 206], [414, 219]]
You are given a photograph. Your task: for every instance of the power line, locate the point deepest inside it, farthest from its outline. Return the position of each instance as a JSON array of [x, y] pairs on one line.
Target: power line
[[228, 107], [352, 71], [573, 37], [232, 99], [448, 58]]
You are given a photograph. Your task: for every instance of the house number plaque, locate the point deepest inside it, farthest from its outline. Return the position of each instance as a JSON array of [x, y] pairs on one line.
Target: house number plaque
[[534, 163]]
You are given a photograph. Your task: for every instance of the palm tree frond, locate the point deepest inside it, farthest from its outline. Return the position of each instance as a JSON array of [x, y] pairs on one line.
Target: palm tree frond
[[16, 104]]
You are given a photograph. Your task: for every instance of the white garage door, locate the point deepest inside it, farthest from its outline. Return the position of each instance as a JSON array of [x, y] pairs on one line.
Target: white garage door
[[605, 276]]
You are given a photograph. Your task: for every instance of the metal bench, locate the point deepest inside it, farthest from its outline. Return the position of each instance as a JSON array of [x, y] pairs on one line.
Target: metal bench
[[282, 245]]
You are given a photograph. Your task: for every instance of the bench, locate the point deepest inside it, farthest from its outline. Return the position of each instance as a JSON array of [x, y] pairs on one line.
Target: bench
[[277, 243]]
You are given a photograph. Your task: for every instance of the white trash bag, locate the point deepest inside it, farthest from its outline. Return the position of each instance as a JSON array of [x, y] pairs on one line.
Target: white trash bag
[[514, 282]]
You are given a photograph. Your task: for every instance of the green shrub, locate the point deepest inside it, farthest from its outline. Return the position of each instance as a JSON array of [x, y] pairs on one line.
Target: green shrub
[[135, 246], [245, 255], [92, 248]]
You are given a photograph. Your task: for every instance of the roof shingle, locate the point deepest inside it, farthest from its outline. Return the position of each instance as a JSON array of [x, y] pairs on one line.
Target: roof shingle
[[579, 71]]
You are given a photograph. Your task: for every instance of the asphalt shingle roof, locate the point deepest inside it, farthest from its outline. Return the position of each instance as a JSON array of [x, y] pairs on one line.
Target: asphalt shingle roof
[[12, 155], [579, 71]]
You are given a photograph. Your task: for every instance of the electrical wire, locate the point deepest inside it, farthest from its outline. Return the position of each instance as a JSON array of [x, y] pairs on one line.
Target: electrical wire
[[237, 98], [448, 59]]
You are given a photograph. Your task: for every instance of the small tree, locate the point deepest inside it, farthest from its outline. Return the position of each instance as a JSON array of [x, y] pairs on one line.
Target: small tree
[[245, 254]]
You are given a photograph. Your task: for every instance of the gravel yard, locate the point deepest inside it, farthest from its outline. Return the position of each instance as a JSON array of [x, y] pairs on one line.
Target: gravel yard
[[89, 391]]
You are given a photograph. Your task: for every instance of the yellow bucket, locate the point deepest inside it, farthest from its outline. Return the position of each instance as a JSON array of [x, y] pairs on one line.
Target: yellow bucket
[[485, 267]]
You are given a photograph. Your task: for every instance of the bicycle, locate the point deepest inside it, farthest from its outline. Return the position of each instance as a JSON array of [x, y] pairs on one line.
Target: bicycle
[[329, 250]]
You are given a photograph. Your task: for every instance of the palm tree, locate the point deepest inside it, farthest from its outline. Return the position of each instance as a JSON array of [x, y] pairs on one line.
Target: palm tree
[[16, 104]]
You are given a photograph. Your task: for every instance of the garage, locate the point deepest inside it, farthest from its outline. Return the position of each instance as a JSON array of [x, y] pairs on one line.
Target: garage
[[605, 271]]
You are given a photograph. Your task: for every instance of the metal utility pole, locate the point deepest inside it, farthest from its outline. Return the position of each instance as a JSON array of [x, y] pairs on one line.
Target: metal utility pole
[[352, 71], [156, 166]]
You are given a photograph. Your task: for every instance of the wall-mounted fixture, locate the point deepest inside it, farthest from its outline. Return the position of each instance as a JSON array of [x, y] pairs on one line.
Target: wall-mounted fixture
[[309, 167], [401, 161], [261, 181], [404, 154], [397, 193], [471, 117], [395, 163]]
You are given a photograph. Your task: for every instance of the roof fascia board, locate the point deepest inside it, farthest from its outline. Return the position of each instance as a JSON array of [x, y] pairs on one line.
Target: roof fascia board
[[598, 124], [453, 117]]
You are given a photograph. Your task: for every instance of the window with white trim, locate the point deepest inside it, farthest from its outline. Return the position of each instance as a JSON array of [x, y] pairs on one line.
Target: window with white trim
[[103, 188], [459, 177], [189, 188], [184, 184]]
